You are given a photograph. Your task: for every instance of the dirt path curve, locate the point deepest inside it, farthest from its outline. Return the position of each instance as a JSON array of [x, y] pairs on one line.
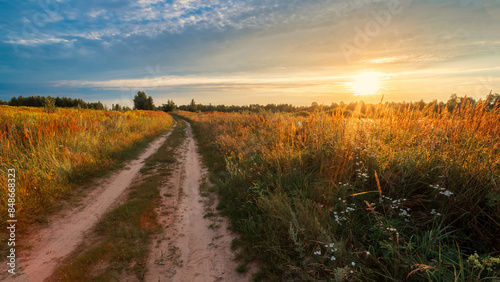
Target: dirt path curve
[[68, 228], [190, 250]]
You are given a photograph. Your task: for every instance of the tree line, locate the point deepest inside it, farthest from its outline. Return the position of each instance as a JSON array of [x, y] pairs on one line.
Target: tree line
[[60, 102], [454, 102], [144, 102]]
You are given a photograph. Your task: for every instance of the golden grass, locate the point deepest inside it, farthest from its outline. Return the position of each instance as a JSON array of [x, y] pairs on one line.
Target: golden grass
[[292, 181], [49, 151]]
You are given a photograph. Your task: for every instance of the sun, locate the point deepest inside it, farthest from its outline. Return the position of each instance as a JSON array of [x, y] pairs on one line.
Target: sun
[[366, 83]]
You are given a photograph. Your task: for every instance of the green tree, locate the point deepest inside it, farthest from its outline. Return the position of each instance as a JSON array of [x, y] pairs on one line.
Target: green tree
[[143, 102], [192, 106], [116, 107], [452, 102], [169, 106], [50, 104], [493, 100]]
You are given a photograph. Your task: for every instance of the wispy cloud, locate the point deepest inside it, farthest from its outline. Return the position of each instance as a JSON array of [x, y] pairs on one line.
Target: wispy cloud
[[39, 41], [172, 80]]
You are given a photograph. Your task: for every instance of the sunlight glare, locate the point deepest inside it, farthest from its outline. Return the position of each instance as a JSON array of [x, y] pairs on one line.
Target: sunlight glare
[[366, 83]]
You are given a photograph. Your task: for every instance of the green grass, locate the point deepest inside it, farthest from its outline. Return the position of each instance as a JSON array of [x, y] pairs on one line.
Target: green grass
[[123, 236]]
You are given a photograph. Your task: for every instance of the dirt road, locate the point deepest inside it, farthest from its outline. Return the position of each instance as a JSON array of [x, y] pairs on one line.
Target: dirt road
[[68, 228], [196, 242]]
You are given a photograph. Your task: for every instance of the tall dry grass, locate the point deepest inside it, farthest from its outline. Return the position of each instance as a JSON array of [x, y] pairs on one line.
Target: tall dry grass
[[52, 151], [400, 195]]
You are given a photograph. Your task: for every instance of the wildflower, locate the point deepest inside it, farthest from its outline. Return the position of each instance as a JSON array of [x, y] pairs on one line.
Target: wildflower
[[332, 258], [446, 193], [434, 212], [353, 263], [317, 253]]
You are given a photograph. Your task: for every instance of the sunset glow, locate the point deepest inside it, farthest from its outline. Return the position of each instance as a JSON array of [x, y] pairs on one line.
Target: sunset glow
[[245, 52], [366, 83]]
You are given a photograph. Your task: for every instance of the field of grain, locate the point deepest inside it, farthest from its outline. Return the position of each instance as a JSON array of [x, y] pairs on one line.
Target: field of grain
[[402, 195], [52, 152]]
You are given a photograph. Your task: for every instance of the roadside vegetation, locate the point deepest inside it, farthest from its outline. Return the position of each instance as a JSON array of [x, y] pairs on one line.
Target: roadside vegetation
[[391, 195], [53, 150], [119, 246]]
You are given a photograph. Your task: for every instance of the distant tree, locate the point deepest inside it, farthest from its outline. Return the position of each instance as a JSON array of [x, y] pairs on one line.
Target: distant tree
[[13, 101], [493, 100], [96, 106], [452, 102], [192, 106], [150, 105], [168, 107], [143, 102], [468, 100], [351, 107], [116, 107], [49, 104], [220, 108]]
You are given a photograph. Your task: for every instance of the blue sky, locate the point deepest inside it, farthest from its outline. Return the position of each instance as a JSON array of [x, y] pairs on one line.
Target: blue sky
[[243, 52]]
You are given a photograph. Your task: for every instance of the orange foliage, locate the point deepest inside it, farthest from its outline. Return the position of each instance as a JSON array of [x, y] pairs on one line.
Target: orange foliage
[[48, 150]]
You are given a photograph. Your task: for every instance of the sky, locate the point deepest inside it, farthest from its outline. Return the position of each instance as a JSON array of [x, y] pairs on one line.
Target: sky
[[250, 52]]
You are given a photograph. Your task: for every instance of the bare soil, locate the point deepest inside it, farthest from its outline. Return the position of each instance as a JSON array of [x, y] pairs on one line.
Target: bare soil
[[195, 244], [67, 229]]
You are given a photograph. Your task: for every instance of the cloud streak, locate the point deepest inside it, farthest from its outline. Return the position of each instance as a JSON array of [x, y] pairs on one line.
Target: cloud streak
[[151, 82]]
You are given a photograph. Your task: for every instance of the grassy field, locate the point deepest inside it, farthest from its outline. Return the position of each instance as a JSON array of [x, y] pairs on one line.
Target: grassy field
[[53, 152], [399, 196]]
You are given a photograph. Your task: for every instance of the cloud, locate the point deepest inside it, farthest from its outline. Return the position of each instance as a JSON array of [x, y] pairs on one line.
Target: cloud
[[173, 80], [96, 13], [39, 41]]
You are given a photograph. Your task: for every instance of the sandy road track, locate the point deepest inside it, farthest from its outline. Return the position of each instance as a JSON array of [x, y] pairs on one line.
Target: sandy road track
[[189, 250], [67, 229]]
